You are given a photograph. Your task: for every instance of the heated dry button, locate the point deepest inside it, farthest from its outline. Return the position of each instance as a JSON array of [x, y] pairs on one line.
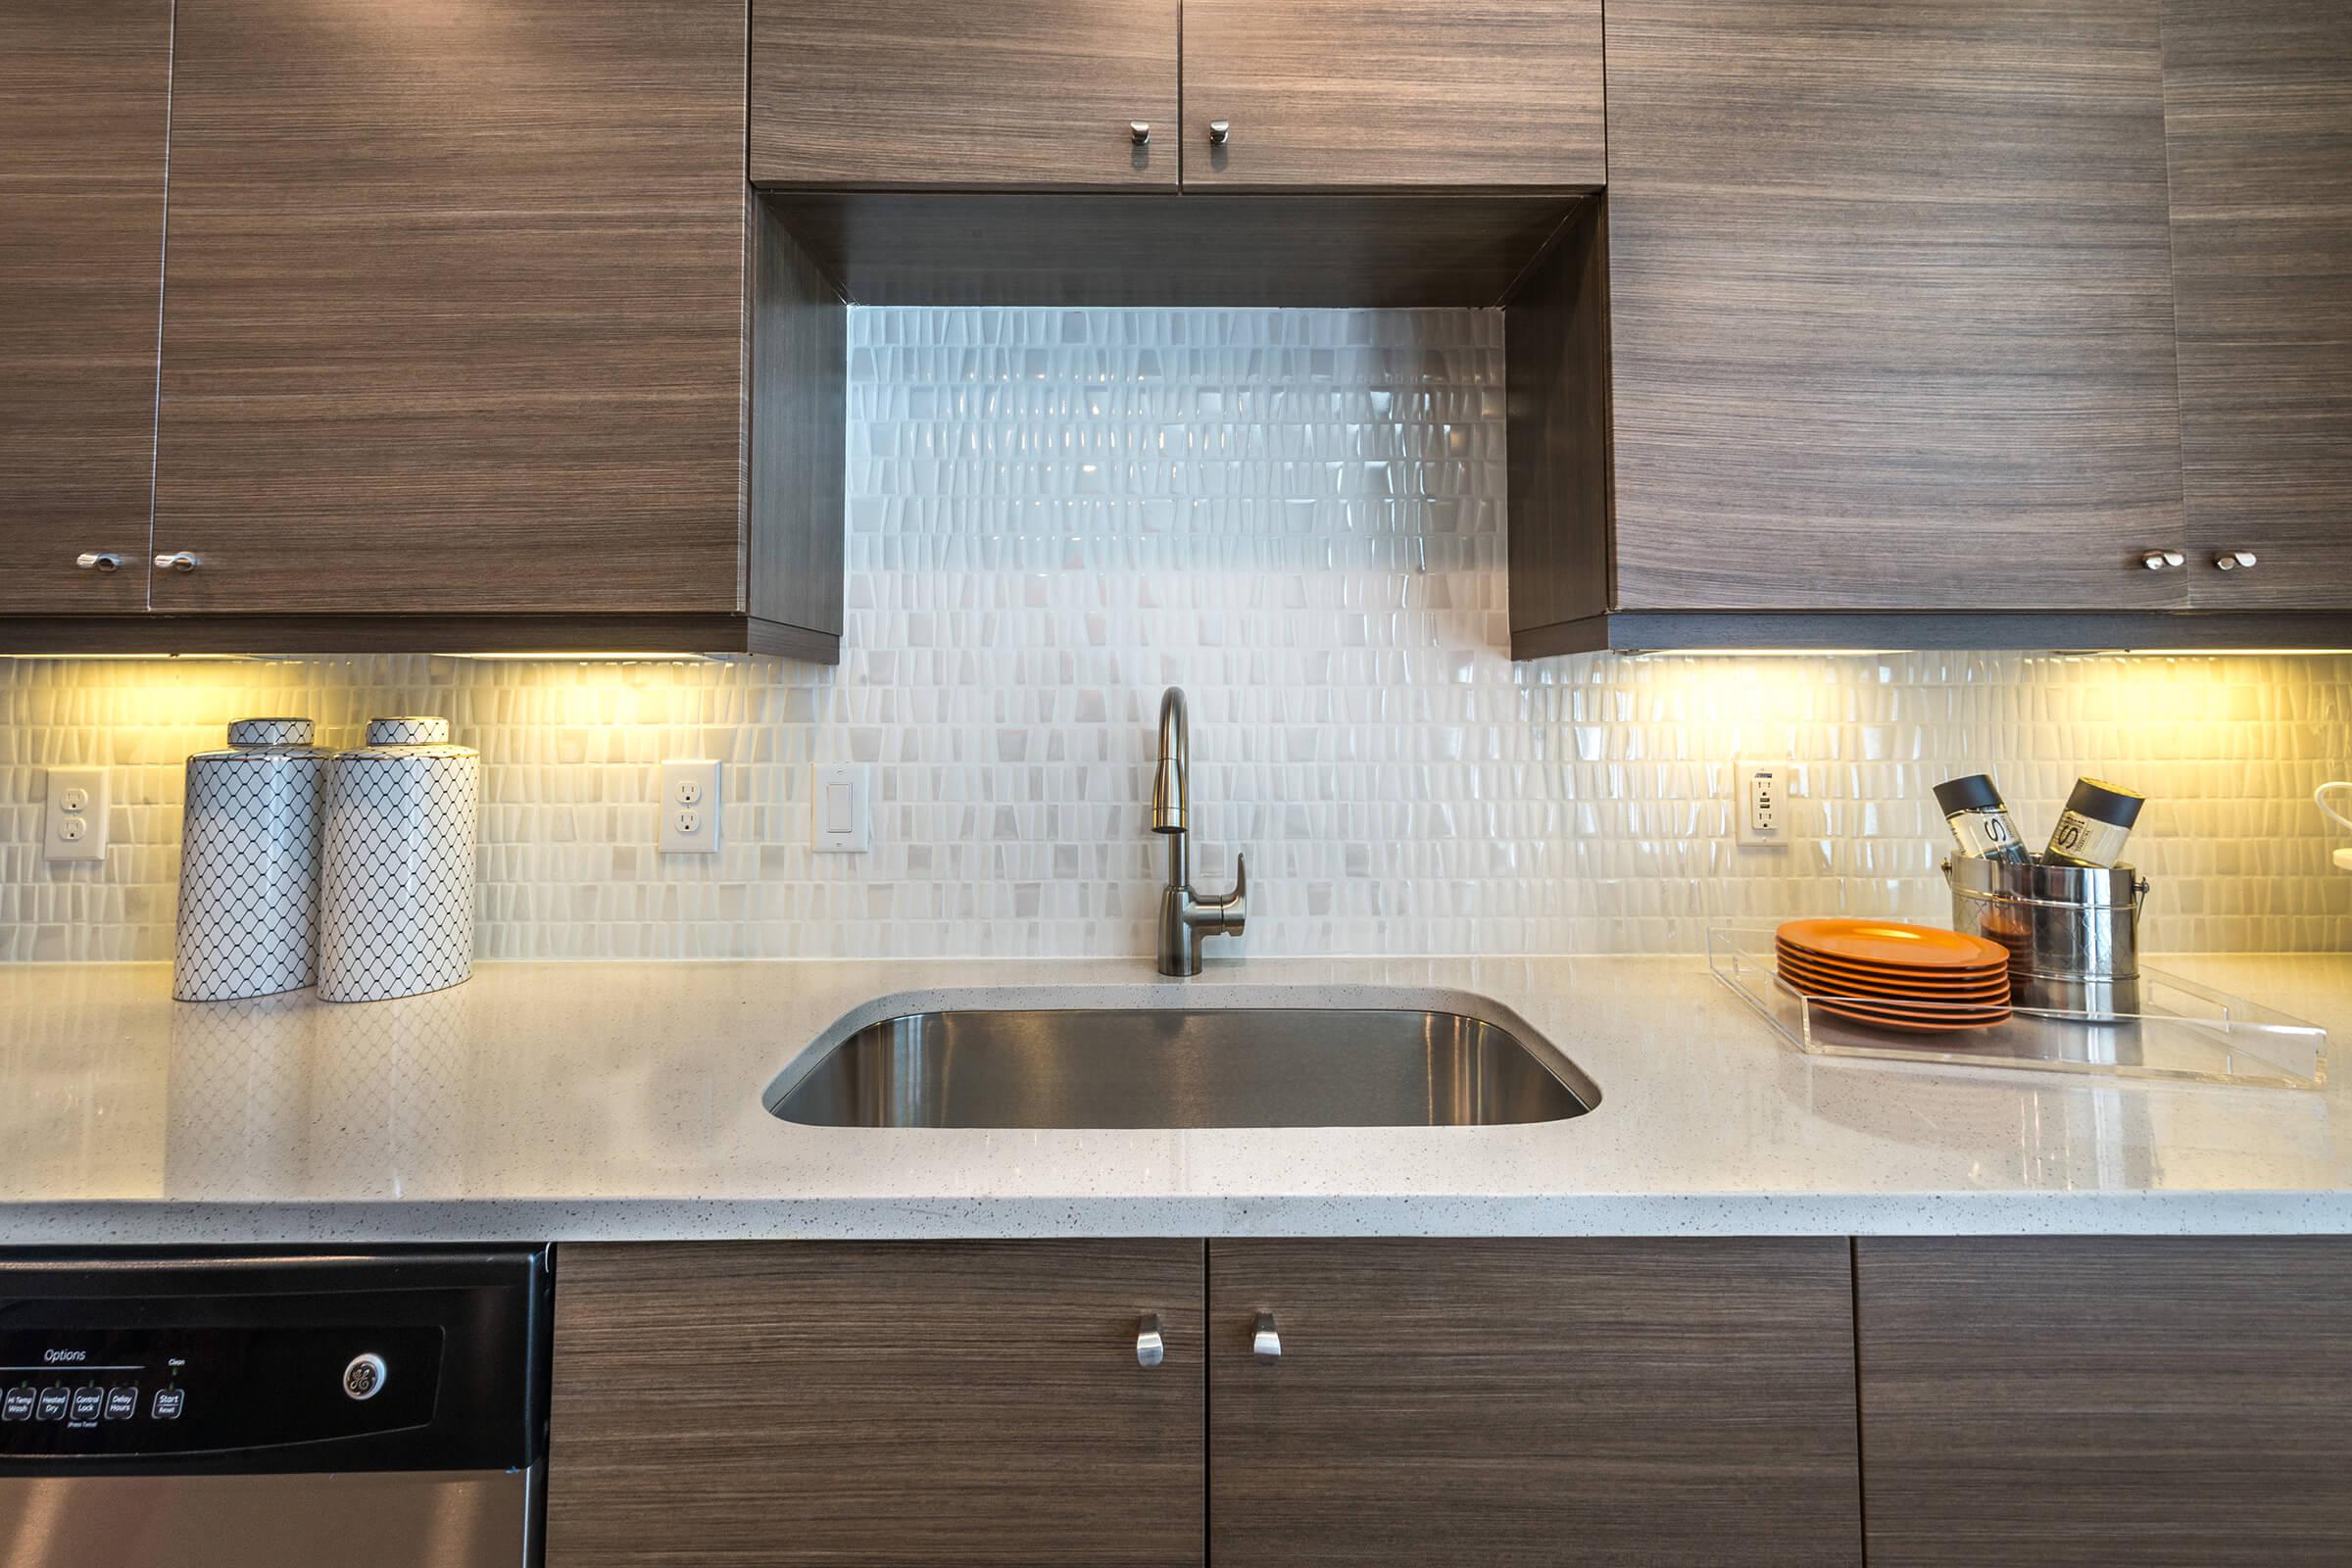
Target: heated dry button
[[53, 1404], [364, 1378], [16, 1403]]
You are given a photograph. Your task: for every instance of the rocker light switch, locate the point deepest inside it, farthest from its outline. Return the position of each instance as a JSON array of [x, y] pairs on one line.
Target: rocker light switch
[[840, 818]]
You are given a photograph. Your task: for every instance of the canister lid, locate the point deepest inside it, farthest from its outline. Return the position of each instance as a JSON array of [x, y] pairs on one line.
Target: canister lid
[[412, 730], [2102, 802], [270, 732], [1975, 792]]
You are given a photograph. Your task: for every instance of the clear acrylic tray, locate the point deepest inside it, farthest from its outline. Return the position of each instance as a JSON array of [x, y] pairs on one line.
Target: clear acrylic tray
[[2183, 1031]]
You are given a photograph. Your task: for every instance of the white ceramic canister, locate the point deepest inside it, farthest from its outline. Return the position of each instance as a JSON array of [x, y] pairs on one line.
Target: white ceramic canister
[[249, 865], [396, 914]]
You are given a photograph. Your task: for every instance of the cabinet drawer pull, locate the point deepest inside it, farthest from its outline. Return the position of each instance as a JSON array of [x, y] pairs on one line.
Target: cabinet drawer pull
[[1149, 1347], [2236, 561], [99, 560], [1267, 1344], [1218, 130], [177, 561], [2163, 560], [1138, 131]]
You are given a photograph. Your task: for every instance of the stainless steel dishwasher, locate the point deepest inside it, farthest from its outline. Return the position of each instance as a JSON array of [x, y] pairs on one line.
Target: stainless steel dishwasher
[[376, 1410]]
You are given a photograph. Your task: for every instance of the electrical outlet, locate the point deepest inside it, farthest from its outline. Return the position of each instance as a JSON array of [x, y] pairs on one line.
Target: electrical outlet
[[840, 810], [73, 821], [1761, 803], [690, 807]]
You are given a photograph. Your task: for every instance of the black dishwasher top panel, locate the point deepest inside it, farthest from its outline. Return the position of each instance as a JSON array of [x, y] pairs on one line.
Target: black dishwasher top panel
[[125, 1366]]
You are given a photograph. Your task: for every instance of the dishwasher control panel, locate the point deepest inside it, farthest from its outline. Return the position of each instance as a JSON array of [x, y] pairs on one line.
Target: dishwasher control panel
[[182, 1362], [195, 1388]]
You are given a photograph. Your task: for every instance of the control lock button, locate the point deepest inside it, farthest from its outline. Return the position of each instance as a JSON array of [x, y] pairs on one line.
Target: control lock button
[[16, 1403], [121, 1404], [364, 1378], [168, 1402], [53, 1404], [90, 1403]]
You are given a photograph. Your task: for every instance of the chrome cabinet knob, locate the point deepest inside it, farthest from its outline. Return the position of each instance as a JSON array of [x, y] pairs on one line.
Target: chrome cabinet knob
[[1151, 1348], [1218, 130], [178, 560], [2235, 561], [1138, 131], [1267, 1344], [99, 560], [2163, 560]]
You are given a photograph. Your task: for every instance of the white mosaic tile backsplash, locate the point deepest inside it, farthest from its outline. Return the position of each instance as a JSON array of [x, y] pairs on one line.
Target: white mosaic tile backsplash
[[1298, 515]]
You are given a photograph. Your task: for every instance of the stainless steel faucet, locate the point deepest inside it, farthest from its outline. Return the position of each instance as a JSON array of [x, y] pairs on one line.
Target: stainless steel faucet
[[1185, 916]]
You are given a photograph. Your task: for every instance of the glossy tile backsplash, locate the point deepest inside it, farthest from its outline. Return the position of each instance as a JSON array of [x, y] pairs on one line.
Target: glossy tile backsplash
[[1298, 515]]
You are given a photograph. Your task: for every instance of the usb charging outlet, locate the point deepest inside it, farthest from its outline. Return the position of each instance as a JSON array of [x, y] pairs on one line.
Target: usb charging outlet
[[1762, 802]]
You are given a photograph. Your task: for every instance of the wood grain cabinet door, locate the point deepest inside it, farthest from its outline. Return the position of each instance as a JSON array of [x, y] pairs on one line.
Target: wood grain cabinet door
[[1365, 94], [455, 307], [1892, 311], [897, 1404], [964, 94], [84, 89], [2258, 98], [2106, 1402], [1482, 1402]]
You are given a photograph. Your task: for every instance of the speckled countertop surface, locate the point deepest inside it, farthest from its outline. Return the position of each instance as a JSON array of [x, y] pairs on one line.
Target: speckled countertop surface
[[623, 1101]]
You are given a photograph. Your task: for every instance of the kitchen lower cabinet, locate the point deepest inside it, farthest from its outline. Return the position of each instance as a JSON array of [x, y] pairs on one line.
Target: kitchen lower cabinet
[[904, 1403], [2258, 114], [84, 88], [2123, 1402], [1597, 1402]]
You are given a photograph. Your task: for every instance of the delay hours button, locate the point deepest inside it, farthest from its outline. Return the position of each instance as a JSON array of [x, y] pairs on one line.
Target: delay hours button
[[88, 1404], [53, 1404], [121, 1404], [167, 1403], [16, 1403]]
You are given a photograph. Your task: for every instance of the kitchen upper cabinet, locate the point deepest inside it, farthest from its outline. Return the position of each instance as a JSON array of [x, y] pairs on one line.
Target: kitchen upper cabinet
[[1034, 94], [457, 319], [1349, 94], [84, 87], [1891, 307], [1517, 1402], [2259, 116], [898, 1403], [2123, 1402]]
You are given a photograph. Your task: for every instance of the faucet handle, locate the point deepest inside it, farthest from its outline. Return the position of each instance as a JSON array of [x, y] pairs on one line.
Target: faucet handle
[[1241, 878]]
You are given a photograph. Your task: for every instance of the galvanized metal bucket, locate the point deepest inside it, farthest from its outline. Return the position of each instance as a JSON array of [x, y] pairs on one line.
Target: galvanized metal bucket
[[2072, 932]]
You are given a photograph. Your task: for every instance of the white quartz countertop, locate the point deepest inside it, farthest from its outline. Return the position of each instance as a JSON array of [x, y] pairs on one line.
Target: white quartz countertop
[[561, 1102]]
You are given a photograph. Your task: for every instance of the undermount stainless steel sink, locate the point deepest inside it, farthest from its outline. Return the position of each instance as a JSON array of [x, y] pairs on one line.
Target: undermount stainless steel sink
[[1151, 1067]]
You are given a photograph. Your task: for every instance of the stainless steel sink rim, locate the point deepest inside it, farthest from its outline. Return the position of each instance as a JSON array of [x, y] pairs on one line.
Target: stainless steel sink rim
[[1106, 1060]]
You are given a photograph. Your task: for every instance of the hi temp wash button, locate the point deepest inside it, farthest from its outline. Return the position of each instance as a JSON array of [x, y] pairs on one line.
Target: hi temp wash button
[[17, 1405]]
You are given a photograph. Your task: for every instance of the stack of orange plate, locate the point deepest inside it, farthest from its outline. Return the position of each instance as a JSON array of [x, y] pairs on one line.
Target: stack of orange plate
[[1896, 976]]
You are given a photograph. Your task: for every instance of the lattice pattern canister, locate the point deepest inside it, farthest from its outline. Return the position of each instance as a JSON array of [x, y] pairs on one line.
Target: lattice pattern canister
[[249, 865], [396, 914]]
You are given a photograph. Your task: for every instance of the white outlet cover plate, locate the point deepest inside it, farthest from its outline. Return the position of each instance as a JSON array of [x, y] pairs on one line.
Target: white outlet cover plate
[[841, 809], [689, 805], [78, 834], [1754, 781]]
